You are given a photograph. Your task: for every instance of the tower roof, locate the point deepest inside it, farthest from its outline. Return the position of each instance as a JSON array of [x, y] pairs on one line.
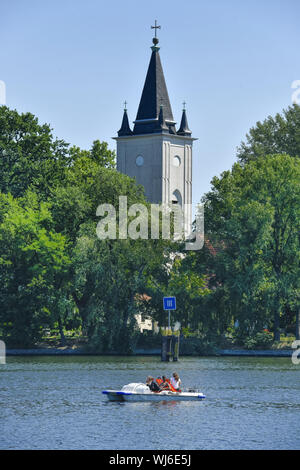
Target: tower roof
[[125, 128], [154, 95], [184, 127], [154, 115]]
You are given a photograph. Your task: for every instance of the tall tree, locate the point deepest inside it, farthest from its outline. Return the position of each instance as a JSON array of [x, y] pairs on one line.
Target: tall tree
[[109, 278], [33, 267], [279, 134], [101, 154], [31, 158], [252, 214], [29, 155]]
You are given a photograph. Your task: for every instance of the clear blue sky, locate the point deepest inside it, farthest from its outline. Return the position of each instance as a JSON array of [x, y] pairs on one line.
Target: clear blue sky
[[73, 63]]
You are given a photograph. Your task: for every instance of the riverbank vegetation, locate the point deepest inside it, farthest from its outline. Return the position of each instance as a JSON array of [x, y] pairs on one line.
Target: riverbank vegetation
[[59, 281]]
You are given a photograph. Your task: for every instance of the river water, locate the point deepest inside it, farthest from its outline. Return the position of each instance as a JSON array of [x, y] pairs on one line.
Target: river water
[[56, 403]]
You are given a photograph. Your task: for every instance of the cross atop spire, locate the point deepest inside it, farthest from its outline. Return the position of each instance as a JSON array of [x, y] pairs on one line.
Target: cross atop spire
[[155, 27], [155, 39]]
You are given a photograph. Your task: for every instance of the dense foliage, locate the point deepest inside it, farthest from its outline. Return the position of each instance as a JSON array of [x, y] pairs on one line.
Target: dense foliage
[[253, 220], [275, 135], [54, 271], [57, 275]]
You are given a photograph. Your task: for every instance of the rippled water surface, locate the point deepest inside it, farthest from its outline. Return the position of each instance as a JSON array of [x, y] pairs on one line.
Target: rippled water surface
[[56, 403]]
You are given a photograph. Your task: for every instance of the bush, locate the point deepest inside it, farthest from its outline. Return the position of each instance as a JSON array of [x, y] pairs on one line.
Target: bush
[[261, 340], [193, 346], [148, 340]]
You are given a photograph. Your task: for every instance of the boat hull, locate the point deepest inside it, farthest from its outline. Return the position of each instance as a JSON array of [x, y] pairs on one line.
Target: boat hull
[[115, 395]]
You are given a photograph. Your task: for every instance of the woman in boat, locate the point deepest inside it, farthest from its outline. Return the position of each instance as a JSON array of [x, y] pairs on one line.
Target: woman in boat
[[176, 382], [152, 384]]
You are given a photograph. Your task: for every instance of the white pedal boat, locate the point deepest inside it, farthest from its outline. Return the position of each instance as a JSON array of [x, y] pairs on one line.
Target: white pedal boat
[[141, 392]]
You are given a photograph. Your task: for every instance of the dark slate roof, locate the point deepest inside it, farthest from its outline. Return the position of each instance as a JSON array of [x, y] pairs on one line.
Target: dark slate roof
[[125, 128], [154, 95], [161, 125], [184, 127]]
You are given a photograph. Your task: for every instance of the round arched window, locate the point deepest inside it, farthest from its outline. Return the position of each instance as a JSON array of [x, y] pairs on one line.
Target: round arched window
[[176, 197], [176, 161], [139, 160]]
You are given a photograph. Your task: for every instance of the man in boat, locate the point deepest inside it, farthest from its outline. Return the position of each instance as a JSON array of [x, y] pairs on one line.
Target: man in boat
[[159, 381], [154, 387], [165, 383]]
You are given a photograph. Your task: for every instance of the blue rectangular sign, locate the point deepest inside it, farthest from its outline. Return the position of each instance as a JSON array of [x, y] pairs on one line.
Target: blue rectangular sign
[[169, 303]]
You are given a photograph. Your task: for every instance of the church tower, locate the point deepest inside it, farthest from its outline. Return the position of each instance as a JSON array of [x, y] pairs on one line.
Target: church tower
[[154, 153]]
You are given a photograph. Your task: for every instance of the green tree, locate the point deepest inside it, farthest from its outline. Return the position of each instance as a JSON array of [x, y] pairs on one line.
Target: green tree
[[252, 217], [110, 276], [31, 158], [29, 155], [33, 266], [88, 185], [279, 134], [179, 279], [107, 274], [101, 154]]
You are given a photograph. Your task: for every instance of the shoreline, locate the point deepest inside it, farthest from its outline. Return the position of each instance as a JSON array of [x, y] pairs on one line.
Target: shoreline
[[147, 352]]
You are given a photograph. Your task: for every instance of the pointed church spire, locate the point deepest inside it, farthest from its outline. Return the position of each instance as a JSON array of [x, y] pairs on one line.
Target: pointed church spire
[[154, 94], [184, 127], [125, 128], [162, 126]]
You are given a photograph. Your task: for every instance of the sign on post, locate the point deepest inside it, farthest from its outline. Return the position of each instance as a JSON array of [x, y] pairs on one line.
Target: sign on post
[[169, 338], [169, 303]]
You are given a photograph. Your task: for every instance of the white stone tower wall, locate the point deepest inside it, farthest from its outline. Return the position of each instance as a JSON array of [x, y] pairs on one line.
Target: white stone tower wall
[[159, 175]]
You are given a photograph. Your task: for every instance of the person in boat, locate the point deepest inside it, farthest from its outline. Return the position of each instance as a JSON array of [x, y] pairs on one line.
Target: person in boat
[[154, 387], [165, 385], [159, 382], [176, 382]]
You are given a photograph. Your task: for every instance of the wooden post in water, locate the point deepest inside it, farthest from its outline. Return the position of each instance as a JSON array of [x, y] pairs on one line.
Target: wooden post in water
[[166, 345], [170, 345], [164, 348], [176, 337]]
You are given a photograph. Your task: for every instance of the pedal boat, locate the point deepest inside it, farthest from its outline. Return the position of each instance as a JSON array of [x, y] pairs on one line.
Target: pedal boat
[[141, 392]]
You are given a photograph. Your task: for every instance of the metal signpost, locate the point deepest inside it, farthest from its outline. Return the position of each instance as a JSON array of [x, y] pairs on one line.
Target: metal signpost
[[167, 340]]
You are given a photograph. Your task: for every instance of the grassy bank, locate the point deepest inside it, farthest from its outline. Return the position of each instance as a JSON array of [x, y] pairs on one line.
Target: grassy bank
[[192, 346]]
